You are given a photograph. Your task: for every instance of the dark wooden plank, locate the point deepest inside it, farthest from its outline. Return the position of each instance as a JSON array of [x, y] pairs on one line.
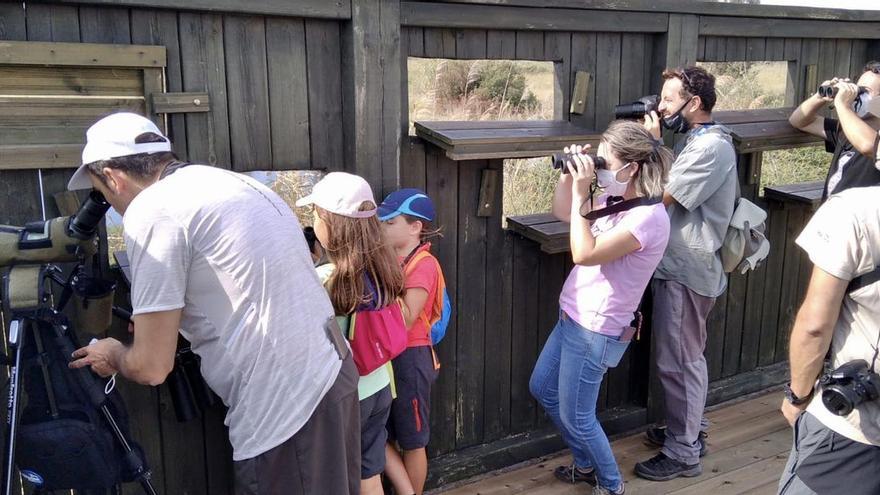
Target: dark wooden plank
[[529, 45], [475, 16], [805, 193], [756, 49], [470, 44], [498, 339], [715, 336], [524, 336], [557, 47], [583, 58], [371, 98], [415, 41], [12, 21], [104, 25], [501, 44], [202, 53], [219, 461], [333, 9], [790, 267], [736, 49], [513, 132], [52, 22], [705, 8], [712, 52], [733, 324], [551, 275], [442, 177], [689, 37], [471, 308], [439, 43], [183, 452], [405, 34], [288, 93], [842, 52], [325, 94], [391, 84], [858, 57], [775, 49], [607, 77], [769, 324], [794, 72], [412, 163], [754, 306], [633, 63], [826, 60], [751, 27], [701, 49], [154, 27], [247, 82]]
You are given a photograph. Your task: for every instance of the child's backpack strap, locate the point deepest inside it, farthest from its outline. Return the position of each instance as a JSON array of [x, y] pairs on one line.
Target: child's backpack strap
[[437, 306]]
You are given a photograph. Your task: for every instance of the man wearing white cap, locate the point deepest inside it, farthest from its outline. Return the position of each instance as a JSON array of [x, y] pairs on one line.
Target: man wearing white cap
[[222, 258]]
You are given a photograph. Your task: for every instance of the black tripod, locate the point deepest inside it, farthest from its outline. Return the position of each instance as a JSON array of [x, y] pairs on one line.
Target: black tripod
[[49, 327]]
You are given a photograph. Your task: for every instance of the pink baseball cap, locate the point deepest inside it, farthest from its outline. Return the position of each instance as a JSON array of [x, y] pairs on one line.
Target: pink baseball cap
[[341, 193]]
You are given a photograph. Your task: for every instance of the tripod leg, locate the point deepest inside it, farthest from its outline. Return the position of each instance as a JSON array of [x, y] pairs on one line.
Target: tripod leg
[[17, 334]]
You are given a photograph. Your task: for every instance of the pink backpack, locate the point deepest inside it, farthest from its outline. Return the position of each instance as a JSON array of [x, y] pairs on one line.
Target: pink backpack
[[377, 336]]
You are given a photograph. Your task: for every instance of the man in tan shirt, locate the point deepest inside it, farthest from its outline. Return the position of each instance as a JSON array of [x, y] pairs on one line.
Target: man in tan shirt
[[841, 312]]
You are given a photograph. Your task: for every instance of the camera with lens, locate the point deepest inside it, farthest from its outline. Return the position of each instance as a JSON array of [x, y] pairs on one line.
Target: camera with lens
[[638, 108], [829, 91], [559, 160], [848, 386]]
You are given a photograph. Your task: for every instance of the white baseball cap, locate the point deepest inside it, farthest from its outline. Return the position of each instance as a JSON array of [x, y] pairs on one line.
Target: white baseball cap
[[112, 137], [341, 193]]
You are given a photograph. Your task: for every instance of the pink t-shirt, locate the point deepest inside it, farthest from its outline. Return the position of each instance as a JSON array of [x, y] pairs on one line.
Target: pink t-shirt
[[603, 298]]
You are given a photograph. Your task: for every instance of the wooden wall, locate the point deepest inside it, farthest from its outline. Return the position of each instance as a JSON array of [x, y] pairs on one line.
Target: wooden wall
[[322, 85]]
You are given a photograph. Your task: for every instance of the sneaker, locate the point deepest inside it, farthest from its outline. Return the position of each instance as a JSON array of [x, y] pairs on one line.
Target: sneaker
[[573, 475], [663, 468], [598, 490], [657, 436]]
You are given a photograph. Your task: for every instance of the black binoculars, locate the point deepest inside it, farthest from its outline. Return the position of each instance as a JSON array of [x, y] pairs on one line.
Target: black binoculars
[[559, 160]]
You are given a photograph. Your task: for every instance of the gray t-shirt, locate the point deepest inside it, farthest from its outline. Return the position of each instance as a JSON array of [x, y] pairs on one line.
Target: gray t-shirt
[[231, 254], [703, 182]]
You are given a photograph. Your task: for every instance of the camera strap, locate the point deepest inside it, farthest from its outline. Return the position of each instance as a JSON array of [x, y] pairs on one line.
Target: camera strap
[[617, 207]]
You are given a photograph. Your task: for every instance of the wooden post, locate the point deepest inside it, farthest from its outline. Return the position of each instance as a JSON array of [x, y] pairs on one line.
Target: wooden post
[[371, 93]]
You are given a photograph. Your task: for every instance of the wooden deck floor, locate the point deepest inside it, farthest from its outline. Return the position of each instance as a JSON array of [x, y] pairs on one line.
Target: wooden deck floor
[[748, 447]]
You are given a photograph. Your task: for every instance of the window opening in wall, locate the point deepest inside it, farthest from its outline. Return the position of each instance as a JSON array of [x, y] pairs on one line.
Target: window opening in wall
[[447, 89], [748, 85], [791, 166], [528, 186]]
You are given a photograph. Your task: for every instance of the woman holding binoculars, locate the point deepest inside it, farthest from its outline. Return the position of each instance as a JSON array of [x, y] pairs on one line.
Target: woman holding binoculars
[[615, 248]]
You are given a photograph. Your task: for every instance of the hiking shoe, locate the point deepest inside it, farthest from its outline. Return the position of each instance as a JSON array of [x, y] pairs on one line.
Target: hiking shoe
[[571, 474], [598, 490], [663, 468], [657, 436]]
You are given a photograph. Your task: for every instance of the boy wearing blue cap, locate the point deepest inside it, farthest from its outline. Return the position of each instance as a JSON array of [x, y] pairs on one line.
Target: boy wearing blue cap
[[406, 217]]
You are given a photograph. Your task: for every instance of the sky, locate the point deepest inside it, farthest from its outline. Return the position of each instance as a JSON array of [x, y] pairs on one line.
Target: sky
[[831, 4]]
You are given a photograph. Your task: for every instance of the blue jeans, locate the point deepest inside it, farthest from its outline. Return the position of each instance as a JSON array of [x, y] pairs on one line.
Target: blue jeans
[[566, 382]]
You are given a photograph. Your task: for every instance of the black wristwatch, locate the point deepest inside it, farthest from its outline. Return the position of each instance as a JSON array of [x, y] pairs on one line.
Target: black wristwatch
[[794, 399]]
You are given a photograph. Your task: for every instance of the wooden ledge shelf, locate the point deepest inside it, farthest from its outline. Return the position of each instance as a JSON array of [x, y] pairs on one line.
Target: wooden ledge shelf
[[543, 228], [802, 193], [764, 130], [503, 139]]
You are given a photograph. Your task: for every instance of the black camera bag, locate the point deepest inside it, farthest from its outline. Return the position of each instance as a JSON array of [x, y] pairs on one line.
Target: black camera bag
[[64, 438]]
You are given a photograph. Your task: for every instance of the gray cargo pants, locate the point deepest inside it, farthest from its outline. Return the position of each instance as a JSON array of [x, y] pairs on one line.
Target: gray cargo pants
[[679, 332]]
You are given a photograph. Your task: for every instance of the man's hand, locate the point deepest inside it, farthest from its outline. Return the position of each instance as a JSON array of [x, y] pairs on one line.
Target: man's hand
[[791, 411], [102, 356], [652, 124], [846, 94]]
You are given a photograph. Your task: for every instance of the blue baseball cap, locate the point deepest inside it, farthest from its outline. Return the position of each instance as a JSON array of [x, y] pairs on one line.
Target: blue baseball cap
[[411, 202]]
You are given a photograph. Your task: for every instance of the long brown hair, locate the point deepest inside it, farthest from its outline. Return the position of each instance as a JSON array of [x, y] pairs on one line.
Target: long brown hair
[[357, 248]]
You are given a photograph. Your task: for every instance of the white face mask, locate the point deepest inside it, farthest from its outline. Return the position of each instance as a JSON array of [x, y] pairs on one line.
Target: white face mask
[[607, 180]]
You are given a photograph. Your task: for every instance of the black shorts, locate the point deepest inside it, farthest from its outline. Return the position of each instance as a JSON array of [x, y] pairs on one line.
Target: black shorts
[[414, 373], [322, 457], [375, 410]]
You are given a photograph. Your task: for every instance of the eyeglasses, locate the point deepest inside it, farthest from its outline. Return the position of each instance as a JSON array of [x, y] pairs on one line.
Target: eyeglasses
[[688, 86]]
